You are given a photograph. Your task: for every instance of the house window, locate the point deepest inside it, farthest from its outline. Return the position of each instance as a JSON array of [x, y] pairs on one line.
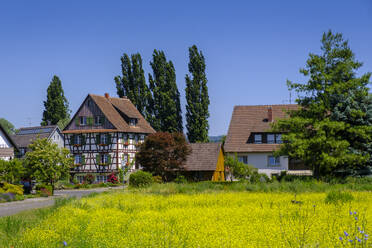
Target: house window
[[273, 161], [243, 159], [77, 140], [104, 158], [258, 138], [142, 137], [101, 179], [271, 139], [78, 159], [278, 138], [80, 179], [104, 139], [98, 120], [83, 120], [132, 122]]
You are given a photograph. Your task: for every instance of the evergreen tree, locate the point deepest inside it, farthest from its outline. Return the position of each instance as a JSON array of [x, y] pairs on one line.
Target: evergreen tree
[[166, 106], [197, 98], [56, 105], [332, 128], [132, 84]]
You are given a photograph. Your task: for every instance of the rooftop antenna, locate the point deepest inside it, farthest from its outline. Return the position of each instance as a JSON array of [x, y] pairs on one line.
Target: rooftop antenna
[[29, 121]]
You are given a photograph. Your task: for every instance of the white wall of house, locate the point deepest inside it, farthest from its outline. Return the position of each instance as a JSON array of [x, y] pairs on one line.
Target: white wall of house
[[4, 142], [261, 162], [57, 138]]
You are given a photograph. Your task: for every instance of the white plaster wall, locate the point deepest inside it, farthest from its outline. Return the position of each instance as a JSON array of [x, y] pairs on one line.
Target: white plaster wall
[[57, 139], [4, 142], [260, 161]]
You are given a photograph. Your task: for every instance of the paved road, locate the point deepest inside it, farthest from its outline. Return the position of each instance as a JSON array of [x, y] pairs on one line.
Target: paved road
[[10, 208]]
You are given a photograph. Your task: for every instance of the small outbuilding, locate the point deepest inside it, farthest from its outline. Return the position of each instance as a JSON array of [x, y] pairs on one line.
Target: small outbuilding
[[206, 162]]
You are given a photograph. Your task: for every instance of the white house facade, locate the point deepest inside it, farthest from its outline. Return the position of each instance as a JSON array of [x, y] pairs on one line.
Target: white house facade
[[251, 139], [7, 146]]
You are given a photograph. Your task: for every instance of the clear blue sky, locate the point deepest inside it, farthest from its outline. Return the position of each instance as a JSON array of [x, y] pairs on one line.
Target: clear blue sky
[[251, 47]]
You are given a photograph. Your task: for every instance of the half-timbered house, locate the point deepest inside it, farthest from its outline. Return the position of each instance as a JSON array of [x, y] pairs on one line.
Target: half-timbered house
[[103, 136]]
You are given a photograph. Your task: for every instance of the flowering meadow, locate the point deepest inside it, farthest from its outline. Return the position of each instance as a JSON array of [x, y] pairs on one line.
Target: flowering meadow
[[214, 219]]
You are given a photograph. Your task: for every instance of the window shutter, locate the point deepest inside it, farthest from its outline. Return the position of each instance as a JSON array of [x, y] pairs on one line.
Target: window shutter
[[77, 121], [102, 120], [82, 139], [72, 140], [98, 137], [98, 158], [82, 159], [90, 121], [109, 159]]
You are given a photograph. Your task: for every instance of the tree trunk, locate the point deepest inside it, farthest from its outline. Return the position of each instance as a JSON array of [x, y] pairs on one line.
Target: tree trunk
[[316, 172]]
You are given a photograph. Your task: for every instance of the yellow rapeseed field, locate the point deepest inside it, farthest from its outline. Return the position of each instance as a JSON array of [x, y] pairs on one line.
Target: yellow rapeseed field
[[237, 219]]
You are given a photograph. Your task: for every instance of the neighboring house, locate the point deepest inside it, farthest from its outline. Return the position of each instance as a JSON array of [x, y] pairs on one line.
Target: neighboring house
[[26, 135], [7, 146], [250, 138], [103, 136], [206, 162]]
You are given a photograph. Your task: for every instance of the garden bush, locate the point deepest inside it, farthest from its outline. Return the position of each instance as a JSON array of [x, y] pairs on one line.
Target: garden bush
[[180, 179], [140, 179], [157, 179], [89, 178], [44, 190], [113, 179], [11, 188], [338, 197]]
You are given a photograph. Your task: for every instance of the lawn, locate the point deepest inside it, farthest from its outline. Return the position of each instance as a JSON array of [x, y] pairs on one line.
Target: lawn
[[212, 218]]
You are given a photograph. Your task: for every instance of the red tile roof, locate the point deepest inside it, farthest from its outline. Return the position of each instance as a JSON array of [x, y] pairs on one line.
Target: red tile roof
[[248, 119]]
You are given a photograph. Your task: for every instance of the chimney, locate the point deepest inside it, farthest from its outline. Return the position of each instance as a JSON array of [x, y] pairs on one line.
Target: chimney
[[124, 97], [270, 114], [107, 95]]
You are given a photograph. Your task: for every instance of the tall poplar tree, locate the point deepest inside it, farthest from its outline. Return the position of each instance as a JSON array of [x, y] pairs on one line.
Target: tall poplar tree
[[166, 106], [56, 105], [132, 84], [197, 98]]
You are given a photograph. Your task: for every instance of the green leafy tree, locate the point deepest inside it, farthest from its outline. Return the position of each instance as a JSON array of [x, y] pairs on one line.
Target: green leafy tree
[[237, 169], [11, 171], [197, 98], [8, 127], [132, 84], [163, 154], [331, 129], [166, 106], [56, 105], [47, 162]]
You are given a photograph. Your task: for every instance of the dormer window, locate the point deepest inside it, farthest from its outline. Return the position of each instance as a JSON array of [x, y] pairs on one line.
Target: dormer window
[[278, 138], [132, 122], [270, 139], [258, 138]]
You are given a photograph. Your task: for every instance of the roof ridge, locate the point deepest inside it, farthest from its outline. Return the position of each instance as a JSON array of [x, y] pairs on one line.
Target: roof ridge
[[49, 126], [263, 105]]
